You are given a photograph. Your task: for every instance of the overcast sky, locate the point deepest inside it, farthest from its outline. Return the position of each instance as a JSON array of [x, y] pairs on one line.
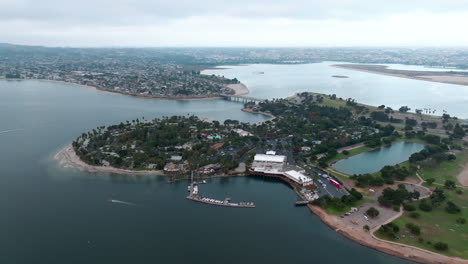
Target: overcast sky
[[152, 23]]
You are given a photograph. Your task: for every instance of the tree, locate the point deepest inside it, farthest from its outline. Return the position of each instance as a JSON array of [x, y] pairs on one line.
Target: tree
[[404, 109], [458, 132], [366, 228], [372, 212], [452, 208], [449, 184]]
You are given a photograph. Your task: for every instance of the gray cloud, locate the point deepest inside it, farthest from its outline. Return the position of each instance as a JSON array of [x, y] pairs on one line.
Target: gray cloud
[[232, 22], [127, 12]]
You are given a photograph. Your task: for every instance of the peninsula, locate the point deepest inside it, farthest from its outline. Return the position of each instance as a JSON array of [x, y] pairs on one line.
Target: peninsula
[[387, 210]]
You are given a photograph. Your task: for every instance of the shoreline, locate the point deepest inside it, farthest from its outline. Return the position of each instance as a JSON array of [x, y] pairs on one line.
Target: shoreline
[[238, 88], [67, 158], [429, 78], [369, 240], [270, 116]]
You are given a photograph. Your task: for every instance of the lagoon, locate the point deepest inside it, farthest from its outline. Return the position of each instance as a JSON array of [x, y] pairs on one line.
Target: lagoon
[[373, 161]]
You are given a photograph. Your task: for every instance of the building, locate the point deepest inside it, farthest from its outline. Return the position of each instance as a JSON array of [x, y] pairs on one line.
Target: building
[[298, 178], [273, 165], [270, 164]]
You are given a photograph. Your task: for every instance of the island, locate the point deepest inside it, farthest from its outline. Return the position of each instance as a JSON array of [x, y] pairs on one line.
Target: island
[[396, 209], [452, 77]]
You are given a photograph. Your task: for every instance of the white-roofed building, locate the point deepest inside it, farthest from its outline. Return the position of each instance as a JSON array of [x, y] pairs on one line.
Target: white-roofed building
[[272, 164], [298, 177], [270, 158]]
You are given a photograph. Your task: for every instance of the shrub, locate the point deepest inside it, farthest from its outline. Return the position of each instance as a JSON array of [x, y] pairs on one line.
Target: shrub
[[366, 228], [458, 191], [345, 152], [414, 229], [430, 181], [409, 207], [452, 208], [440, 246], [425, 206], [414, 215], [461, 220], [450, 184]]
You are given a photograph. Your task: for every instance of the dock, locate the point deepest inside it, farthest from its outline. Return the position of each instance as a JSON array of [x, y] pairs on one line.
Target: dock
[[301, 203], [226, 202], [194, 196]]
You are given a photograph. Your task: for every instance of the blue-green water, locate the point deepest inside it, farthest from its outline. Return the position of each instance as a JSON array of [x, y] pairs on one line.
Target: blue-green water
[[372, 161], [374, 89], [50, 214]]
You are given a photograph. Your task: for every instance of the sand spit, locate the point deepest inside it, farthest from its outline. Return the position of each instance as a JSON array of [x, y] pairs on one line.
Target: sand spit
[[68, 159]]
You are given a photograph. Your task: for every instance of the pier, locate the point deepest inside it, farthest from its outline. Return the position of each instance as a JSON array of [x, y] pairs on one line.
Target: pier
[[194, 196]]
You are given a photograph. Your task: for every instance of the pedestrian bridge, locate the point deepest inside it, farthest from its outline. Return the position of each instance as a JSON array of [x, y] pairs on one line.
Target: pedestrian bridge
[[241, 98]]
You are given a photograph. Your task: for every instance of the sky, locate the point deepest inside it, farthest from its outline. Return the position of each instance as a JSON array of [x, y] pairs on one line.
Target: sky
[[234, 23]]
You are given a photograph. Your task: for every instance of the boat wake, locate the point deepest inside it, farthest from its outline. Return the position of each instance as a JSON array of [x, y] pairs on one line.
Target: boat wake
[[122, 202], [11, 130]]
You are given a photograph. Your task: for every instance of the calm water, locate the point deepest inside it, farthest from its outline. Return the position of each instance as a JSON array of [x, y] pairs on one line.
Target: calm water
[[374, 89], [54, 215], [373, 161]]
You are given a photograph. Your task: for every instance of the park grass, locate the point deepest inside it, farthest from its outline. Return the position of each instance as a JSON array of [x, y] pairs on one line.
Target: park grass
[[338, 174], [446, 170], [335, 211], [438, 226]]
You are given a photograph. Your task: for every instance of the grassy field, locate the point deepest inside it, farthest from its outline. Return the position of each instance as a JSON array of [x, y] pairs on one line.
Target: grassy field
[[446, 170], [438, 226], [352, 152]]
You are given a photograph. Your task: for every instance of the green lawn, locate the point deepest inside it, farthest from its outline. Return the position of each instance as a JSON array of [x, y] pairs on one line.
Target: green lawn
[[438, 225], [352, 152], [446, 170]]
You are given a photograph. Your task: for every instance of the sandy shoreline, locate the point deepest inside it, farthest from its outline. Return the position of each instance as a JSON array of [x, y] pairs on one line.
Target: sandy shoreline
[[68, 159], [449, 79], [239, 88], [367, 239]]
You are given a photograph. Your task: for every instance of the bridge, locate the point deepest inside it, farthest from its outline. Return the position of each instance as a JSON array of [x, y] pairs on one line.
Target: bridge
[[241, 98]]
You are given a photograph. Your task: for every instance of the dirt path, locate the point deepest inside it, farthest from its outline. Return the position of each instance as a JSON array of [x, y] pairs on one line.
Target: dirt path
[[463, 176]]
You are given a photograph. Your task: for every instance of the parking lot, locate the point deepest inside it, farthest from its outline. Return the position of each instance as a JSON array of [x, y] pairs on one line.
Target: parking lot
[[324, 186]]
